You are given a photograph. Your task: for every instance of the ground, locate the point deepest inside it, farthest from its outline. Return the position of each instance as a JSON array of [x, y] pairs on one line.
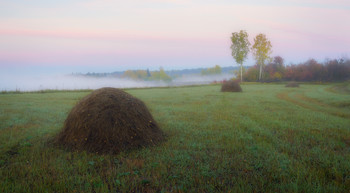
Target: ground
[[268, 138]]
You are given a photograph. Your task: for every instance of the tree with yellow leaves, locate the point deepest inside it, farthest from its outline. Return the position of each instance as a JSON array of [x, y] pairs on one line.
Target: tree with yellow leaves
[[262, 50]]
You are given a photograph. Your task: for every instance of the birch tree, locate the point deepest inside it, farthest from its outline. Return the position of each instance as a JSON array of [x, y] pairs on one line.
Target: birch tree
[[240, 47], [262, 50]]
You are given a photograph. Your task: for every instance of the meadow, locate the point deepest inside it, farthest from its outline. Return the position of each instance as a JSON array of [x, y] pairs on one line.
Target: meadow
[[268, 138]]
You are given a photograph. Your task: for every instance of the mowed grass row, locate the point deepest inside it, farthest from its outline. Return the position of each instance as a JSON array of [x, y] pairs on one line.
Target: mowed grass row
[[268, 138]]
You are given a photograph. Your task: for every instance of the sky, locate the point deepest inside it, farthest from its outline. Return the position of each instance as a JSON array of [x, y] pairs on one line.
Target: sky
[[63, 36]]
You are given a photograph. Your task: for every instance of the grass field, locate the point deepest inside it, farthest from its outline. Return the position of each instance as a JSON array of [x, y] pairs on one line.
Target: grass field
[[268, 138]]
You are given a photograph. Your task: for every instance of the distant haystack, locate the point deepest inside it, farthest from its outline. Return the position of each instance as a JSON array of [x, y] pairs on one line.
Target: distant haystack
[[231, 86], [109, 120], [292, 84]]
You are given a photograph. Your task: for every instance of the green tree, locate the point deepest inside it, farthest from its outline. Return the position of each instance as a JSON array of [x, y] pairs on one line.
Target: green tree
[[160, 75], [238, 75], [210, 71], [136, 74], [240, 47], [130, 74], [251, 75], [262, 50], [148, 73]]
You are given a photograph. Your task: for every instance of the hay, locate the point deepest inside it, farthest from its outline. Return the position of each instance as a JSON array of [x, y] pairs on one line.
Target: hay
[[109, 120], [231, 86], [292, 84]]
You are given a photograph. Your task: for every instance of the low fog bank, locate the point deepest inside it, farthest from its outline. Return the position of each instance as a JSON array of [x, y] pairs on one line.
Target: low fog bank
[[199, 79], [69, 82], [74, 82]]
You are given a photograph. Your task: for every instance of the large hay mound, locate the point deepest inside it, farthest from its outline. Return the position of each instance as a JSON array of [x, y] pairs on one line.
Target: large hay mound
[[231, 86], [292, 84], [109, 120]]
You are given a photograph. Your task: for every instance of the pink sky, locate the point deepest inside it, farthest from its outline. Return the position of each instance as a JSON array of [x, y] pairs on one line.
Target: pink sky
[[103, 35]]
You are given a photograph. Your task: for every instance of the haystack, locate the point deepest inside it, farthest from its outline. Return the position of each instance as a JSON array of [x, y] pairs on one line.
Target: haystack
[[231, 86], [109, 120], [292, 84]]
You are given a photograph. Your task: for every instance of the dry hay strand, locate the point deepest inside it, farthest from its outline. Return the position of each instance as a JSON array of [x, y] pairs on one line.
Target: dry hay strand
[[109, 120], [231, 86], [292, 84]]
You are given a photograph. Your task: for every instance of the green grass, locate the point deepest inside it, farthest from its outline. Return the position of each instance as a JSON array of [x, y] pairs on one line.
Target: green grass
[[266, 139]]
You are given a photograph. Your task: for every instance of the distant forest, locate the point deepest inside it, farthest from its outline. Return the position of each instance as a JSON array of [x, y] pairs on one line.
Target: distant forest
[[165, 75], [311, 70], [330, 70]]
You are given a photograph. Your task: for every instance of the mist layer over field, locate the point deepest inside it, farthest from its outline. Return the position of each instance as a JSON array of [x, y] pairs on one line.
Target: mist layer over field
[[75, 82]]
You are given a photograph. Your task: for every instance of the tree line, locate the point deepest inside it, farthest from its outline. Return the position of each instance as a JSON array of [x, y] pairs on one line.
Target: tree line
[[273, 69], [311, 70], [147, 75], [212, 71]]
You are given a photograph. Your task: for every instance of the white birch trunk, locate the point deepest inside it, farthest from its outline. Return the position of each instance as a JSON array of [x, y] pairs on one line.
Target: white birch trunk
[[260, 73], [241, 73]]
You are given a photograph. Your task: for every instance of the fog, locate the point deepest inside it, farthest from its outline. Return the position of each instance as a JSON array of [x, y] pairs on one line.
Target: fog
[[199, 79], [76, 82]]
